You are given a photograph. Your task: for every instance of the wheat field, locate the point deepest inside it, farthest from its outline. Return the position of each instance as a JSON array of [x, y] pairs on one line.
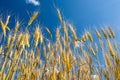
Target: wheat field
[[32, 56]]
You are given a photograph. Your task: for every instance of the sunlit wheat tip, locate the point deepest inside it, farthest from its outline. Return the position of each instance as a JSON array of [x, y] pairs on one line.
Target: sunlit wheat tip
[[98, 34], [48, 31], [16, 27], [93, 52], [48, 46], [36, 36], [59, 15], [57, 34], [27, 36], [33, 18], [107, 59], [22, 41], [108, 32], [110, 48], [41, 38], [4, 27], [104, 33], [7, 20], [72, 31], [111, 31], [64, 28], [90, 37], [83, 38]]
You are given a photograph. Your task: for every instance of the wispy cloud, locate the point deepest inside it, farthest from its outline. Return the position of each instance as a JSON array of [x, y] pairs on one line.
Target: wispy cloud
[[34, 2]]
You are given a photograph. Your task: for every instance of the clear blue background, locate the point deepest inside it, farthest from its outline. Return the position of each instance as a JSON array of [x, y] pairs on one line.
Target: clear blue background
[[82, 13]]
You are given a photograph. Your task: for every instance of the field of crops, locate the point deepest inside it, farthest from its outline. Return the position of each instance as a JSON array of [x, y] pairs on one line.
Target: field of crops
[[26, 55]]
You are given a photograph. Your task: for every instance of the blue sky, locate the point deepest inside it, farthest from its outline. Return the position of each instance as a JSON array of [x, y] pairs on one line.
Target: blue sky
[[81, 13]]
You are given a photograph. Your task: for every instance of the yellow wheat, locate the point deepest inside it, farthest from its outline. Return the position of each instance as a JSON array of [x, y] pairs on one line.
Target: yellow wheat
[[32, 18]]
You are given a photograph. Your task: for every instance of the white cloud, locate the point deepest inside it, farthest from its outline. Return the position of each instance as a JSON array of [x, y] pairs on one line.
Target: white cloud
[[34, 2]]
